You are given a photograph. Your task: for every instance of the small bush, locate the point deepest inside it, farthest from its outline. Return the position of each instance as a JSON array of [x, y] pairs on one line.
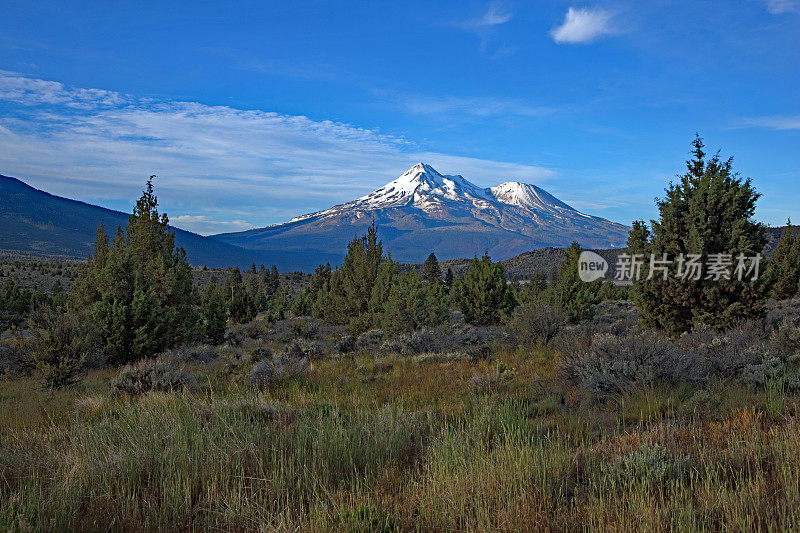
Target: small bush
[[536, 321], [614, 365], [304, 327], [370, 339], [345, 344], [279, 367], [199, 353], [650, 465], [419, 341], [771, 372], [149, 375], [786, 339]]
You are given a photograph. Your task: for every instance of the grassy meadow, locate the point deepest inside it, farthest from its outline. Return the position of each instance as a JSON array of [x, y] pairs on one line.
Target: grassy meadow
[[381, 440]]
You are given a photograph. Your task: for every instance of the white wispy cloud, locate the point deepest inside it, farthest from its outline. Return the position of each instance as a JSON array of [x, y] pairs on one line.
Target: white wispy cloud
[[788, 122], [583, 25], [205, 226], [218, 166], [477, 107], [494, 16], [777, 7]]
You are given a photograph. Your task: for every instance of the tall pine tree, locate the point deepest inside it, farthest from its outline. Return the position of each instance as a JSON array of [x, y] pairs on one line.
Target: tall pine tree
[[137, 290], [709, 211]]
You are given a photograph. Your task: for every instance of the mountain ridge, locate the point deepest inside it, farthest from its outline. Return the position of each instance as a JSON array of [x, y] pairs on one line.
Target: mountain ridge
[[423, 211]]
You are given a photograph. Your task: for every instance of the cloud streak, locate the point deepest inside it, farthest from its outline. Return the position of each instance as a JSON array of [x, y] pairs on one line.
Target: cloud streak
[[495, 16], [773, 122], [779, 7], [583, 26], [220, 168]]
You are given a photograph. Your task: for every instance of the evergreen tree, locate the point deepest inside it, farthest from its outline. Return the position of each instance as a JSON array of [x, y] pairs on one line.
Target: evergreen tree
[[215, 313], [241, 307], [575, 297], [413, 303], [449, 280], [783, 272], [137, 290], [483, 293], [430, 269], [352, 283], [708, 211]]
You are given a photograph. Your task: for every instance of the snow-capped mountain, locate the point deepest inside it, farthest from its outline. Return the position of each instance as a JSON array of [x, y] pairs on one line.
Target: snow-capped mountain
[[423, 211]]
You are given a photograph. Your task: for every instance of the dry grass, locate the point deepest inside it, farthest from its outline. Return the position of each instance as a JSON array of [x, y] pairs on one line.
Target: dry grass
[[398, 443]]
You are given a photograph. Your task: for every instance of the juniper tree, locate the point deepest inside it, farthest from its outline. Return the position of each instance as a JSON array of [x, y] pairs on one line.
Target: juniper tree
[[215, 313], [412, 303], [783, 273], [430, 269], [137, 289], [575, 298], [708, 211], [483, 293]]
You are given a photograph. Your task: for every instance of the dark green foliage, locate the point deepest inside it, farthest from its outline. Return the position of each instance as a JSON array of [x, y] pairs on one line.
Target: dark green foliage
[[215, 312], [64, 345], [449, 280], [708, 211], [783, 273], [352, 283], [575, 298], [137, 290], [241, 304], [483, 293], [430, 269], [15, 304], [413, 303]]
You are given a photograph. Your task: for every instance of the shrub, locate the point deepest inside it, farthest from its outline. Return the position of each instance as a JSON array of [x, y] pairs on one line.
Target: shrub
[[614, 365], [200, 353], [370, 339], [536, 321], [149, 375], [420, 341], [651, 465], [345, 344], [279, 367], [772, 371], [304, 327], [786, 339], [63, 347]]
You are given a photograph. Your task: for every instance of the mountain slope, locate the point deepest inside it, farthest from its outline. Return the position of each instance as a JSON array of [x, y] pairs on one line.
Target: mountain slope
[[423, 211], [37, 222]]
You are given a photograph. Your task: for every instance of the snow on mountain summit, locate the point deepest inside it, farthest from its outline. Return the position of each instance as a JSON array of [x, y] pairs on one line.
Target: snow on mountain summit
[[423, 188], [424, 211]]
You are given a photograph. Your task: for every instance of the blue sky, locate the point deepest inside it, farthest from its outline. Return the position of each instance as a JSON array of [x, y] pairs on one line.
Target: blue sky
[[252, 113]]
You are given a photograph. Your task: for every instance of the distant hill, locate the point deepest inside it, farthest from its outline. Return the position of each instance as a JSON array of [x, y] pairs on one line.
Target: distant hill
[[548, 260], [34, 221]]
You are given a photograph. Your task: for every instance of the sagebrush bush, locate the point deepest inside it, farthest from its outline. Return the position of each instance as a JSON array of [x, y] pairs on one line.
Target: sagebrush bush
[[370, 339], [653, 465], [614, 365], [536, 321], [279, 367], [149, 375], [786, 339], [771, 371], [304, 327], [198, 353]]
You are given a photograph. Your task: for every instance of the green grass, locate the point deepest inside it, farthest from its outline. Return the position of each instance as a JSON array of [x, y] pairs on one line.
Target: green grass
[[395, 444]]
